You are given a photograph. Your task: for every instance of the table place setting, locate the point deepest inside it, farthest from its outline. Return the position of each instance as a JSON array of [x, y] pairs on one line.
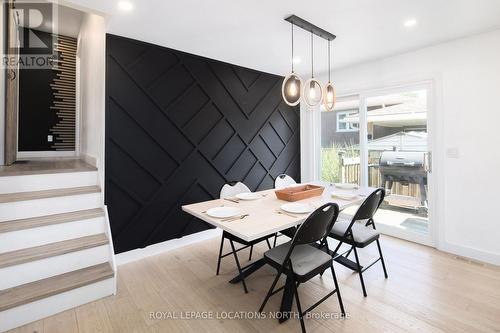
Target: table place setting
[[246, 196], [225, 214]]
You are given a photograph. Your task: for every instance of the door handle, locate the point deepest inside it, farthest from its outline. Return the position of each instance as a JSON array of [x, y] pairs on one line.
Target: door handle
[[428, 162]]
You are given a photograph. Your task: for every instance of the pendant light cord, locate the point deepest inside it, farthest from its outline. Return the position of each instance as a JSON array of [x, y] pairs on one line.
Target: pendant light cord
[[312, 55], [292, 47], [329, 62]]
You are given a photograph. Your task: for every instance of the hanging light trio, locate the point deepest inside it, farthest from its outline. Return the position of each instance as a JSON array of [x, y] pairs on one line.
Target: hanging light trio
[[310, 92]]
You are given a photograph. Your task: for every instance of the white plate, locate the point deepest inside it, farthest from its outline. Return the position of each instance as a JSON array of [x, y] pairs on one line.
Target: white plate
[[344, 196], [297, 208], [223, 212], [347, 186], [248, 196]]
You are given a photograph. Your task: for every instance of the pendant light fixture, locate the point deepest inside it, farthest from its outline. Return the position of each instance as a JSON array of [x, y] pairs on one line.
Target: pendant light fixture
[[312, 93], [292, 84], [330, 93]]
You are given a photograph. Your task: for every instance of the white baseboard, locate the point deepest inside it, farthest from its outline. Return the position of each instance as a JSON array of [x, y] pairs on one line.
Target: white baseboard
[[21, 239], [32, 271], [39, 182], [472, 253], [47, 206], [133, 255]]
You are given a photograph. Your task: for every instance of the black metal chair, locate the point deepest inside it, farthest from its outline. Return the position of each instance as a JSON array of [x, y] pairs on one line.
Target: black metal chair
[[231, 189], [359, 235], [300, 259]]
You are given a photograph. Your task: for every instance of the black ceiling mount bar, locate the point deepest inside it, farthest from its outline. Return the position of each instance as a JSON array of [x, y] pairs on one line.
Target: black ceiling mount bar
[[309, 27]]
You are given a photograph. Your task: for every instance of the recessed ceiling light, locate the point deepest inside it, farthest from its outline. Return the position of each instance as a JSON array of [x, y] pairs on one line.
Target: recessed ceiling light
[[410, 23], [125, 6], [297, 60]]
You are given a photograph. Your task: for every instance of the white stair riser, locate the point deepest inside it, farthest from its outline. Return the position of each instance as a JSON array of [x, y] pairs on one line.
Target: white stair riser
[[41, 269], [46, 307], [21, 239], [56, 205], [28, 183]]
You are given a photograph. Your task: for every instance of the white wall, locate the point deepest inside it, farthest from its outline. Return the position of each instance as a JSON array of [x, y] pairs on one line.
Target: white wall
[[466, 80], [91, 54]]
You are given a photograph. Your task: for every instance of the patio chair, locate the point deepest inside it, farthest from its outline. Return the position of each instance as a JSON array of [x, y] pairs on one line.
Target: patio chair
[[300, 260], [359, 235], [230, 190], [280, 182], [283, 181]]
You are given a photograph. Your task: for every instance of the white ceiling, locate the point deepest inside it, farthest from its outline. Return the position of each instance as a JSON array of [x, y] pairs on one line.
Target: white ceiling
[[253, 33], [68, 20]]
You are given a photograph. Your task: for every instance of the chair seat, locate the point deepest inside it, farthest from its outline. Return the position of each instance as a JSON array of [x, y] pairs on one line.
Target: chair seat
[[362, 236], [306, 260], [244, 242]]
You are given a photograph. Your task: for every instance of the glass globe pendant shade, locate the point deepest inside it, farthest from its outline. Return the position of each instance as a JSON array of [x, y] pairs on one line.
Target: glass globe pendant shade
[[312, 93], [290, 89], [330, 97]]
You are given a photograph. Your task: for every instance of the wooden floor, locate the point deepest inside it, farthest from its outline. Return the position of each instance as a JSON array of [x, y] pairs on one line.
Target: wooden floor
[[427, 291]]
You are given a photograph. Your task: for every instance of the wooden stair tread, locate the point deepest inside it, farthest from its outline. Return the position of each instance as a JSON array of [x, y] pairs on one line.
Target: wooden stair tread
[[60, 192], [37, 290], [50, 250], [23, 168], [41, 221]]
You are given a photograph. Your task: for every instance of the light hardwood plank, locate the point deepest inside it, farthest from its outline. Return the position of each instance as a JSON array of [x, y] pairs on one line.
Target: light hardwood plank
[[34, 291], [427, 291], [33, 195], [42, 221], [64, 322], [51, 250]]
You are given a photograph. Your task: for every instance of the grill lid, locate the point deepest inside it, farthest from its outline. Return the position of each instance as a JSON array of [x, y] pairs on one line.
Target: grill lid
[[407, 159]]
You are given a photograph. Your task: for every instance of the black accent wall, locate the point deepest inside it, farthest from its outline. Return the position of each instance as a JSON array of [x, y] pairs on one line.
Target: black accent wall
[[178, 126], [35, 99]]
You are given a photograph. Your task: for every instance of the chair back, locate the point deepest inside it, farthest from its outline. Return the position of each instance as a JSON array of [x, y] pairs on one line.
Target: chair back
[[317, 226], [370, 206], [230, 189], [283, 181]]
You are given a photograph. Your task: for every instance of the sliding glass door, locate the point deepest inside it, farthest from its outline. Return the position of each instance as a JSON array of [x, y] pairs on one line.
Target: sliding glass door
[[382, 139], [340, 154]]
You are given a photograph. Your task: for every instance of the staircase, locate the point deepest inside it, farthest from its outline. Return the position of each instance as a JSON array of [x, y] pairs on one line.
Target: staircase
[[55, 244]]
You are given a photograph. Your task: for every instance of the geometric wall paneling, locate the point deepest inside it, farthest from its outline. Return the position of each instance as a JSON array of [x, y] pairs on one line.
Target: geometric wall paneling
[[178, 126]]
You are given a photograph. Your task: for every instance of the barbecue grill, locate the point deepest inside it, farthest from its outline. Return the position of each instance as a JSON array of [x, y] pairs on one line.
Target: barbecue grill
[[405, 168]]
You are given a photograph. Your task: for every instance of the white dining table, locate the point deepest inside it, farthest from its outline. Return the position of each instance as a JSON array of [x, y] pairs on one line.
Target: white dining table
[[262, 215], [262, 219]]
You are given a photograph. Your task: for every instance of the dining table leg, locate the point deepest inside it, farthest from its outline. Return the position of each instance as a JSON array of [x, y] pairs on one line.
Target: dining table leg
[[287, 300], [247, 270]]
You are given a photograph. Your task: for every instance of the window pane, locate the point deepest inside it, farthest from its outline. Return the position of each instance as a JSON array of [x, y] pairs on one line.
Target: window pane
[[340, 142]]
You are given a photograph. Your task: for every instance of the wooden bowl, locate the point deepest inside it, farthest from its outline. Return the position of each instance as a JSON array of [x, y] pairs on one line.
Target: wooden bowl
[[299, 192]]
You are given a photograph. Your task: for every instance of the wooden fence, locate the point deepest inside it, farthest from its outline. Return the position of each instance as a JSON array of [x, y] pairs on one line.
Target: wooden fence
[[350, 173]]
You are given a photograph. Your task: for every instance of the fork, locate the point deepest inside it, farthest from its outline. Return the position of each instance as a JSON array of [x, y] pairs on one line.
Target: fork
[[230, 219], [285, 213]]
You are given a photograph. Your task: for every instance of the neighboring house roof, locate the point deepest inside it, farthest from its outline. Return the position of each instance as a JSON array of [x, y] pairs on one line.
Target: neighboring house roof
[[403, 141], [404, 114]]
